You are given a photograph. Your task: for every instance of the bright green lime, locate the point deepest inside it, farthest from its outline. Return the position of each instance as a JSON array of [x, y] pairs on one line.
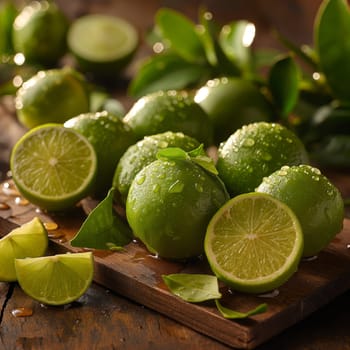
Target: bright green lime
[[52, 96], [58, 279], [169, 111], [53, 167], [143, 153], [231, 103], [110, 137], [314, 199], [169, 206], [102, 44], [28, 240], [254, 243], [255, 151], [39, 33]]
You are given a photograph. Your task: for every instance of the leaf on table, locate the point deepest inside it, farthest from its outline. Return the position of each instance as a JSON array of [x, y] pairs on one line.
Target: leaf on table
[[331, 31], [283, 82], [103, 229], [193, 288], [232, 314]]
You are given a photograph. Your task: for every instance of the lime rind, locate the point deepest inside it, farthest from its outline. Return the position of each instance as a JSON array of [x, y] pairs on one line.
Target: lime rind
[[58, 279], [254, 246]]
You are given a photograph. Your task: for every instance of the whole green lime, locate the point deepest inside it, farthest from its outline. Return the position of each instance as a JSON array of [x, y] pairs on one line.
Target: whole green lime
[[255, 151], [169, 111], [52, 96], [313, 198], [170, 204], [39, 33], [110, 138], [143, 153], [231, 103]]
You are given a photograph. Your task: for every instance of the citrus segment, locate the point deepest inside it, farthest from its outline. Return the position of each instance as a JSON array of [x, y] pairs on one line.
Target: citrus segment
[[28, 240], [53, 167], [58, 279], [254, 243]]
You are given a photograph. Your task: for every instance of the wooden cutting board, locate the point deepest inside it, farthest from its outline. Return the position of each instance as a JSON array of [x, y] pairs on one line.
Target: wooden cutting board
[[136, 274]]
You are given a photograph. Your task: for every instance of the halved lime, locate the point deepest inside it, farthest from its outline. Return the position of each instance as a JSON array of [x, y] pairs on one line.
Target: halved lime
[[254, 243], [28, 240], [53, 166], [102, 44], [58, 279]]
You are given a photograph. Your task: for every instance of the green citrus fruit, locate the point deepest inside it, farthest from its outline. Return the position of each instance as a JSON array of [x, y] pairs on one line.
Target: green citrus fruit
[[52, 96], [169, 111], [254, 151], [169, 206], [110, 137], [314, 199], [143, 153], [102, 44], [231, 103], [28, 240], [39, 33], [57, 279], [254, 243], [53, 167]]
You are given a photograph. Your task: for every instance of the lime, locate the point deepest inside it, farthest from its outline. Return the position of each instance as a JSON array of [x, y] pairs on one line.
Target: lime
[[143, 153], [52, 96], [39, 33], [53, 167], [110, 137], [102, 44], [28, 240], [231, 103], [169, 206], [169, 111], [254, 151], [57, 279], [254, 243], [314, 199], [101, 101]]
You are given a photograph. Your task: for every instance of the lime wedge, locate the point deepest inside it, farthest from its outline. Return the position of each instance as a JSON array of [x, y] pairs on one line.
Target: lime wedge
[[58, 279], [102, 44], [53, 166], [254, 243], [28, 240]]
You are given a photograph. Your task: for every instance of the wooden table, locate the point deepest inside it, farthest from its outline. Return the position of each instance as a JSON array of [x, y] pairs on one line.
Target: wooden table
[[101, 319]]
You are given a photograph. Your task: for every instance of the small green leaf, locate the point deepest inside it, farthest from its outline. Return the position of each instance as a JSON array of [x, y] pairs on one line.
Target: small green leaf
[[284, 84], [193, 288], [103, 229], [232, 314], [199, 157], [166, 72], [332, 28], [172, 153], [181, 34]]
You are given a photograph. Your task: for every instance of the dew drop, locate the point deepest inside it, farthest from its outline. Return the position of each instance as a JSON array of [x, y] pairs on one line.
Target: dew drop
[[4, 206], [22, 312], [176, 187], [156, 188], [140, 180], [271, 294], [310, 258], [21, 201], [248, 142], [198, 187]]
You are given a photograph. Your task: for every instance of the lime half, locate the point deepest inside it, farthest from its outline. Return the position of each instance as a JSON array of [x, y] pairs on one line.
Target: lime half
[[28, 240], [58, 279], [53, 166], [254, 243], [102, 44]]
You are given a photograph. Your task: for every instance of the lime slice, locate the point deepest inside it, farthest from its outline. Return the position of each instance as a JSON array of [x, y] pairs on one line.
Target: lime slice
[[58, 279], [254, 243], [53, 166], [102, 44], [28, 240]]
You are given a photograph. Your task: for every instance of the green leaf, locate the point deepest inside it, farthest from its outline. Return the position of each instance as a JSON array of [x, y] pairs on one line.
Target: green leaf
[[332, 28], [166, 72], [232, 314], [172, 153], [283, 83], [193, 288], [103, 229], [181, 33]]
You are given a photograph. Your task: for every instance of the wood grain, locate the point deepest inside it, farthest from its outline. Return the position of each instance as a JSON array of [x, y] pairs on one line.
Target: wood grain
[[136, 274]]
